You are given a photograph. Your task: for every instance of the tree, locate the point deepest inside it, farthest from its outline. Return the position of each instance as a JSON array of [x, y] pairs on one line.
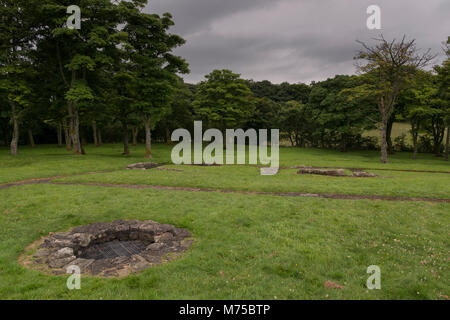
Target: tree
[[283, 92], [265, 115], [154, 65], [342, 108], [180, 113], [390, 66], [81, 52], [291, 119], [417, 104], [16, 69], [121, 102], [443, 80], [223, 100]]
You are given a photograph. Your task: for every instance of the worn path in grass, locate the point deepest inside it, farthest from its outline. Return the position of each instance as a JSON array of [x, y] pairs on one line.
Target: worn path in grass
[[403, 180], [171, 188]]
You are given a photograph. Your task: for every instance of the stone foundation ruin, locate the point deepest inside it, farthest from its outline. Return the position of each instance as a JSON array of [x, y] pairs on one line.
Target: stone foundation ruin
[[111, 249]]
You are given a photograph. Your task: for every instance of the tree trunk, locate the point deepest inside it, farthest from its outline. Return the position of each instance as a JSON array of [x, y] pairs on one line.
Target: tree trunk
[[168, 137], [15, 137], [67, 137], [447, 144], [437, 148], [383, 141], [74, 123], [415, 147], [386, 108], [292, 140], [148, 137], [100, 142], [126, 147], [438, 130], [59, 130], [415, 135], [135, 135], [389, 135], [31, 138], [94, 132]]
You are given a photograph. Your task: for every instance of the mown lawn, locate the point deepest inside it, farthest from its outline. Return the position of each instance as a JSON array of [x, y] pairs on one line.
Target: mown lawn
[[46, 161], [246, 246], [389, 183], [398, 129]]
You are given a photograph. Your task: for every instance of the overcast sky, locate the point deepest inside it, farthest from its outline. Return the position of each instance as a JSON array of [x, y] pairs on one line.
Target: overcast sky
[[294, 40]]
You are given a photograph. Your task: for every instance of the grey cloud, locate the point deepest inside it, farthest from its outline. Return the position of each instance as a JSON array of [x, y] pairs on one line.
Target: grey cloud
[[191, 15], [293, 40]]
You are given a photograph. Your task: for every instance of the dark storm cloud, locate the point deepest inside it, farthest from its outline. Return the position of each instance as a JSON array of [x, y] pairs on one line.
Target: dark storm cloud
[[294, 40], [192, 15]]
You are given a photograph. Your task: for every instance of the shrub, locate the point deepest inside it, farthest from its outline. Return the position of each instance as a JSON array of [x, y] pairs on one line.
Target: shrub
[[400, 144]]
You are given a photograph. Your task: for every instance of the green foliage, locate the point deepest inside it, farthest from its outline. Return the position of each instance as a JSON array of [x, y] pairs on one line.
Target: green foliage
[[283, 92], [79, 92], [224, 100]]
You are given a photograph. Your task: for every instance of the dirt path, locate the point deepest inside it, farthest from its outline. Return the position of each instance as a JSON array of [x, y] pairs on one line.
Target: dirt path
[[370, 169], [281, 194], [156, 187], [48, 179]]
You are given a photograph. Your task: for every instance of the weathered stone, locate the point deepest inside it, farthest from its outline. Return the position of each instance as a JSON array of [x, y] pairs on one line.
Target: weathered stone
[[59, 263], [42, 253], [55, 243], [93, 228], [156, 246], [62, 235], [362, 174], [82, 239], [324, 172], [163, 228], [134, 235], [167, 236], [147, 231], [181, 233], [113, 248], [151, 257], [144, 165], [63, 253], [83, 264]]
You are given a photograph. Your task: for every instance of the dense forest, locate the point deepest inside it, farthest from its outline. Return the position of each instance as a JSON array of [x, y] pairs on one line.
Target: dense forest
[[117, 79]]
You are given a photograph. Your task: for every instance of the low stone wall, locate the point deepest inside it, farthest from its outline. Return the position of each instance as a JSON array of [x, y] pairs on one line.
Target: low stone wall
[[143, 166], [335, 173], [159, 242]]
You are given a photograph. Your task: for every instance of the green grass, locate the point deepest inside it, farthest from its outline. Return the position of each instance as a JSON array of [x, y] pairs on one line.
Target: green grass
[[266, 247], [398, 129], [47, 161], [390, 183]]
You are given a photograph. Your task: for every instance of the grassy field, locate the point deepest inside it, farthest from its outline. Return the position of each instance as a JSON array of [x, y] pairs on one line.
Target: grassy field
[[246, 246], [398, 129]]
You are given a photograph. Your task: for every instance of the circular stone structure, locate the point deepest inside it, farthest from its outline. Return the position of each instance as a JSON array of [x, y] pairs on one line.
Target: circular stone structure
[[112, 249]]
